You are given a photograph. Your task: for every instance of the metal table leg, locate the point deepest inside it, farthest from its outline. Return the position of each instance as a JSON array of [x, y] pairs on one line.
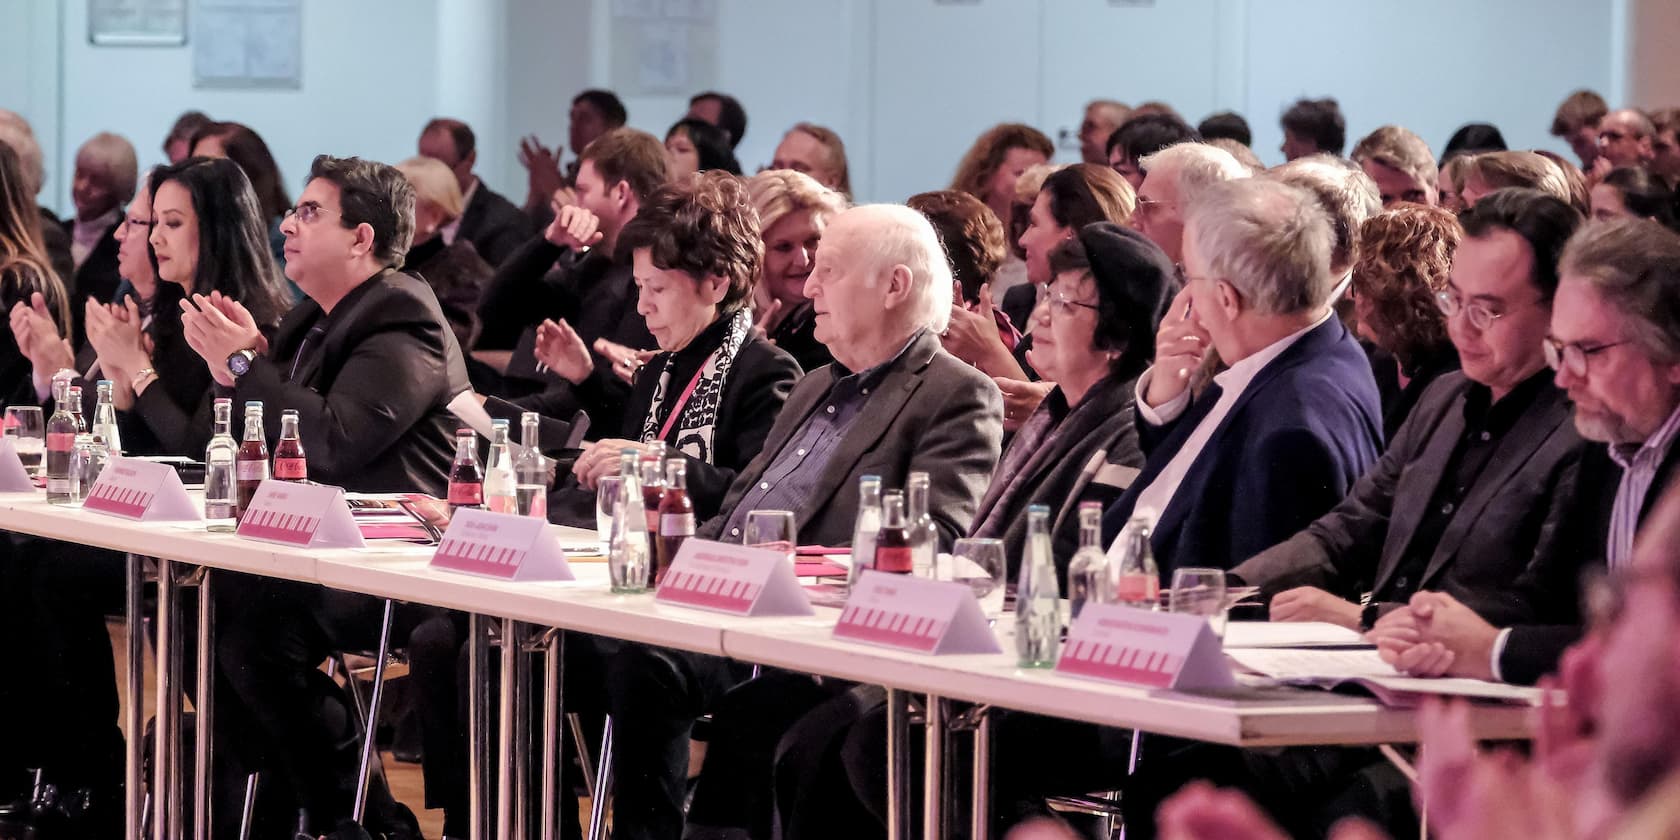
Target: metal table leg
[[933, 769], [478, 726], [898, 765], [134, 717], [512, 803], [553, 645], [365, 769], [203, 707], [981, 791], [603, 784], [166, 733]]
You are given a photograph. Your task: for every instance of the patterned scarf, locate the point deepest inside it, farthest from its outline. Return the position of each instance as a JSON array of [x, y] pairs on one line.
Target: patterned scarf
[[697, 416]]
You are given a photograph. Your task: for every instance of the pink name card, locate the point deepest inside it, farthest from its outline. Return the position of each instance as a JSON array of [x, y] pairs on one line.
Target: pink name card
[[141, 490], [734, 579], [501, 545], [1126, 645], [13, 477], [308, 515], [917, 614]]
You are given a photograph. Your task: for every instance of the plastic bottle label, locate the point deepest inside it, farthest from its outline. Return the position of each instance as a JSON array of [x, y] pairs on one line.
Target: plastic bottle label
[[466, 494], [894, 560], [291, 469], [61, 441], [252, 470], [676, 525]]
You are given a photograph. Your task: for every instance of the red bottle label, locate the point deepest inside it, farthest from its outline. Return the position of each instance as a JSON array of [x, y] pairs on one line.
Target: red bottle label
[[466, 494], [291, 469], [61, 441], [894, 560]]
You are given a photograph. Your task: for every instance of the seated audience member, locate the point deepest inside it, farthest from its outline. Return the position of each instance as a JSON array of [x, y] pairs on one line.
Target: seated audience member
[[244, 146], [106, 172], [25, 269], [723, 111], [793, 210], [454, 269], [16, 132], [1576, 123], [177, 144], [1665, 145], [1013, 271], [973, 241], [1102, 117], [1404, 257], [694, 145], [816, 151], [1226, 125], [486, 220], [1141, 136], [1473, 139], [1633, 193], [696, 250], [1401, 165], [892, 403], [1477, 495], [1244, 155], [1173, 178], [594, 112], [575, 277], [994, 163], [1346, 193], [207, 238], [1615, 344], [1497, 170], [1156, 107], [1311, 127], [1579, 198], [1279, 437], [370, 364], [1624, 139], [1449, 184]]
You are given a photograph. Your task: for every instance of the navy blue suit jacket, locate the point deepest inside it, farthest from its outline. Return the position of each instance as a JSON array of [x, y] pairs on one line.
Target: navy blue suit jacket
[[1304, 430]]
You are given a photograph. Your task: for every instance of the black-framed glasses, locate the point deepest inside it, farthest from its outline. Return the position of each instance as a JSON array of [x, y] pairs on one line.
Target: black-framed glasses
[[1479, 315], [307, 212], [1573, 357]]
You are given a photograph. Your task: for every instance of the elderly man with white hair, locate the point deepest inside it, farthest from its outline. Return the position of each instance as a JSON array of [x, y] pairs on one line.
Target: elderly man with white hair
[[1279, 437], [1172, 179], [892, 403]]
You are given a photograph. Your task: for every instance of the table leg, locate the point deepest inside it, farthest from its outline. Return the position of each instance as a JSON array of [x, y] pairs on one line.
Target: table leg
[[365, 769], [478, 726], [898, 765], [163, 732], [933, 769], [981, 791], [553, 645], [512, 804], [203, 707], [1131, 765], [134, 716]]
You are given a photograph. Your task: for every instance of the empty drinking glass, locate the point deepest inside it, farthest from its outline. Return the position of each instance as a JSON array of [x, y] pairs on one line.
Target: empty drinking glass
[[980, 564], [27, 428], [1199, 591], [771, 529], [606, 493]]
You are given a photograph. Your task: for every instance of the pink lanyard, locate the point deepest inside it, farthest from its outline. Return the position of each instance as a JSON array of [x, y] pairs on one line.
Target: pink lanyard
[[682, 401]]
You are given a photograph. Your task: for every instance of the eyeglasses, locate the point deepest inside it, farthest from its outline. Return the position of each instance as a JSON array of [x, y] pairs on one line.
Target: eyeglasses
[[1150, 206], [1477, 314], [308, 211], [135, 221], [1573, 357], [1062, 304]]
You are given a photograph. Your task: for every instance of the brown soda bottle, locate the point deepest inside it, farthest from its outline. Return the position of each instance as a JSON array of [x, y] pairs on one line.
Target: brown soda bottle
[[250, 465], [676, 517], [466, 477], [893, 552], [289, 461]]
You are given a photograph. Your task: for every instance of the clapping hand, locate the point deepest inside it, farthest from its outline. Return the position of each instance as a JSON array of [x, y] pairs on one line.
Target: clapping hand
[[114, 331], [216, 327], [1020, 399], [38, 338], [575, 228], [542, 166], [563, 351]]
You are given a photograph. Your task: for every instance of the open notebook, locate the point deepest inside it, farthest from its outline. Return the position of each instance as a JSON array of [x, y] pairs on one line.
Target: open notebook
[[1330, 669]]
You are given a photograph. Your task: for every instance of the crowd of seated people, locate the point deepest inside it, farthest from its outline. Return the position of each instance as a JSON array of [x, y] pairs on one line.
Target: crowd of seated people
[[1421, 397]]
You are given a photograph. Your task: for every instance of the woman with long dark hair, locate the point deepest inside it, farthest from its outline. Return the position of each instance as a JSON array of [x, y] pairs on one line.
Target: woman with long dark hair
[[25, 269]]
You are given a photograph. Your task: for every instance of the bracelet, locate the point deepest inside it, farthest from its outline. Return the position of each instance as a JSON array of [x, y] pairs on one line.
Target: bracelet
[[141, 376]]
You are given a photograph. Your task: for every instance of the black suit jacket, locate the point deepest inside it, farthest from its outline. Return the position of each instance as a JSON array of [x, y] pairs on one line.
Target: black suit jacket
[[493, 225], [931, 413], [1512, 549], [1304, 430], [372, 405], [57, 243], [96, 278]]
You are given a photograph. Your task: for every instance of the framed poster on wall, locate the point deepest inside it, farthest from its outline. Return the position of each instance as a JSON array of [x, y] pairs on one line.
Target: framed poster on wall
[[137, 23], [248, 44]]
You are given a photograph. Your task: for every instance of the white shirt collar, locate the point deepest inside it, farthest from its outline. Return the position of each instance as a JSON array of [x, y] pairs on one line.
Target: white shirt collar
[[1235, 379]]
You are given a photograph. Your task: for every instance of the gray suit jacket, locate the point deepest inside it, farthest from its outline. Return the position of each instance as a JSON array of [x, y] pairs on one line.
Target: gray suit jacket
[[1511, 551], [931, 413]]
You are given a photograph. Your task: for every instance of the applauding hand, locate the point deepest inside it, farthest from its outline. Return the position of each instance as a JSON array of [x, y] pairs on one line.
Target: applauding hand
[[561, 349]]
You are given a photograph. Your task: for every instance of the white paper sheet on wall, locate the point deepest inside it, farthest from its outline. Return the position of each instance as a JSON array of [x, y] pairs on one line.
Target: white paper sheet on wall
[[248, 43]]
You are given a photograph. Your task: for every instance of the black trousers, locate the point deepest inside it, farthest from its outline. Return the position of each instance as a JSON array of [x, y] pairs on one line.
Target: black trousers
[[279, 712]]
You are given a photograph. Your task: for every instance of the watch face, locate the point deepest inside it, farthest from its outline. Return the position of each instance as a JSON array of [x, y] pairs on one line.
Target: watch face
[[239, 363]]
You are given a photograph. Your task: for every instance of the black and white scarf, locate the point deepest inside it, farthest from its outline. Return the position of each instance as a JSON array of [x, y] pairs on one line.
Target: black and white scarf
[[697, 419]]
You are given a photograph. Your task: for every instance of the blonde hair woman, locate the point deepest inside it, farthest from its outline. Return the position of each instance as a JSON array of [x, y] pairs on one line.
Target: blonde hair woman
[[450, 264]]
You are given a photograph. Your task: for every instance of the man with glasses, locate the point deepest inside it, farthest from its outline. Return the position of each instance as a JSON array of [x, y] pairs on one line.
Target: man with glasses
[[1171, 179], [1477, 497], [1624, 139]]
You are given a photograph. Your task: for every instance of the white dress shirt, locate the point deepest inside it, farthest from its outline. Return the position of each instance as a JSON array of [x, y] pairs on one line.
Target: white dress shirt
[[86, 236], [1232, 382]]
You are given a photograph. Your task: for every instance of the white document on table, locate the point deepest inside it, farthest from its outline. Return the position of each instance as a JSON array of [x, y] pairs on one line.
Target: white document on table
[[1331, 668], [1291, 634]]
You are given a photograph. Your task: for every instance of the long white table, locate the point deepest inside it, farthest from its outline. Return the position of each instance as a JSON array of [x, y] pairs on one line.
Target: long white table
[[401, 572]]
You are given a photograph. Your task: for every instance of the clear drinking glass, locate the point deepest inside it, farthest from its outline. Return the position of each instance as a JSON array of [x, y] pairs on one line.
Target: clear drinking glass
[[27, 428], [979, 563], [606, 493], [1199, 591], [771, 529]]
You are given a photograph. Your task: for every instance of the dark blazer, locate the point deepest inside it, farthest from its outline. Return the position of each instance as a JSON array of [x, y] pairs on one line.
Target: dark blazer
[[493, 225], [931, 413], [372, 404], [1511, 551], [96, 278], [1092, 456], [57, 243], [1018, 304], [1302, 432]]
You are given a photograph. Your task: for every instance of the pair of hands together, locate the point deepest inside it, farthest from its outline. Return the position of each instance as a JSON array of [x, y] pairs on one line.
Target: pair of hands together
[[972, 336], [1433, 635], [113, 329], [216, 327]]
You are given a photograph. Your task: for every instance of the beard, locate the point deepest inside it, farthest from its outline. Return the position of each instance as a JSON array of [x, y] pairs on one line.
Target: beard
[[1605, 427]]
